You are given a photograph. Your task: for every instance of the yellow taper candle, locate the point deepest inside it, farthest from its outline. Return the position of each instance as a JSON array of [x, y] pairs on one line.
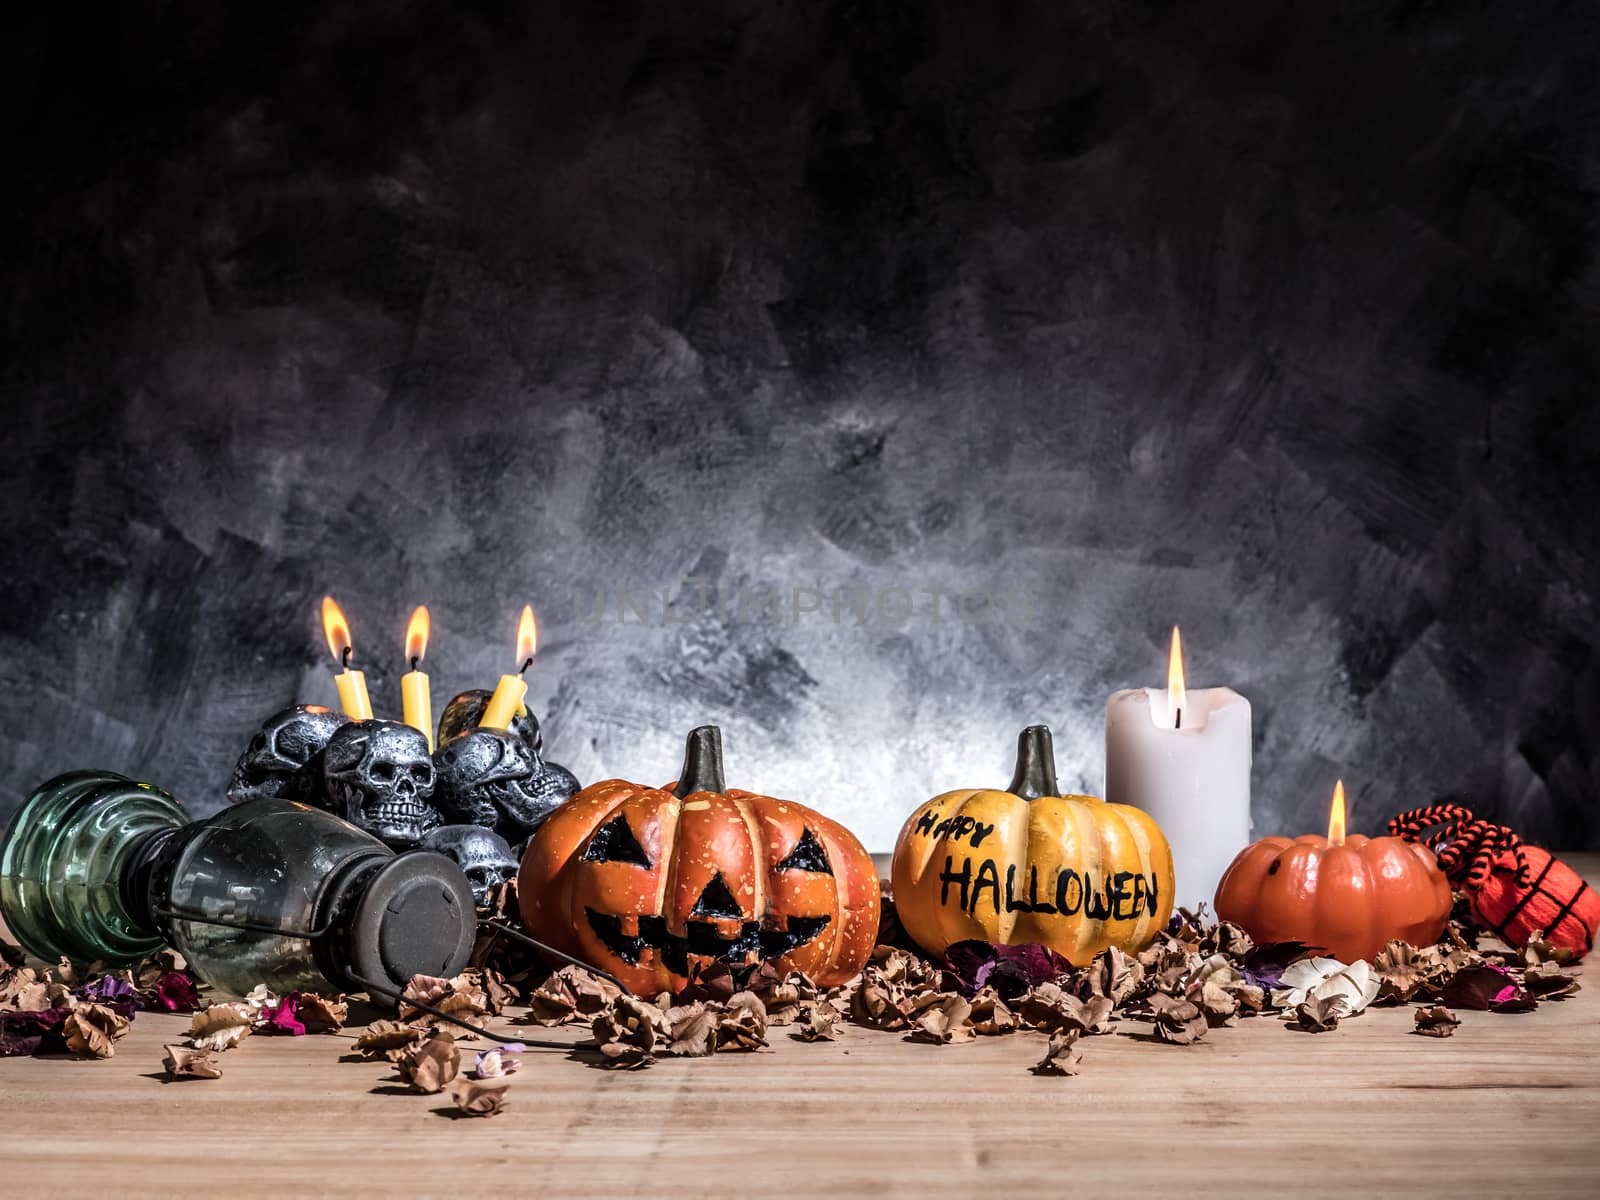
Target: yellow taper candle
[[508, 693], [414, 693], [352, 684]]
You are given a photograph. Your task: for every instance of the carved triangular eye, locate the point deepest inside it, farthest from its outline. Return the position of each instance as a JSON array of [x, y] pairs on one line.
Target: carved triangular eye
[[717, 901], [807, 855], [614, 842]]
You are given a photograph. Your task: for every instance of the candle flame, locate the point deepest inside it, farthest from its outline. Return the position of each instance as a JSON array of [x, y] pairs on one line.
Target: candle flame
[[336, 629], [417, 635], [1336, 816], [1177, 696], [527, 637]]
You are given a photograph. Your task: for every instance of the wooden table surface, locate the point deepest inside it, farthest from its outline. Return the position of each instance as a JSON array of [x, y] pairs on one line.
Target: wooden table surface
[[1508, 1106]]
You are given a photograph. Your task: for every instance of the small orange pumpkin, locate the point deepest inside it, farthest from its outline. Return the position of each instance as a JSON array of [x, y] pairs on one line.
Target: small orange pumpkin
[[1346, 899], [648, 882]]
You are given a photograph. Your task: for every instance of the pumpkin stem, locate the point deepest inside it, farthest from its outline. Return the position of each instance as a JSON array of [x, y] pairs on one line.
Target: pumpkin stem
[[1036, 764], [702, 763]]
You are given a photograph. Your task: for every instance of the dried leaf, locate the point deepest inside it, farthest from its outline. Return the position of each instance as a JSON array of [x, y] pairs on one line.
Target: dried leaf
[[480, 1099], [1114, 975], [879, 1003], [219, 1026], [187, 1062], [625, 1057], [457, 997], [90, 1029], [784, 996], [1219, 1005], [692, 1030], [743, 1024], [1319, 1014], [1062, 1056], [570, 994], [1539, 950], [991, 1016], [319, 1014], [388, 1039], [1436, 1021], [630, 1022], [940, 1018], [1052, 1010], [1324, 977], [428, 1066], [815, 1024], [1548, 981], [1403, 971], [1177, 1021]]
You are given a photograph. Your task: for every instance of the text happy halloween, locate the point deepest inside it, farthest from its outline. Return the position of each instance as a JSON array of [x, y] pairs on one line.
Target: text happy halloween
[[1121, 896]]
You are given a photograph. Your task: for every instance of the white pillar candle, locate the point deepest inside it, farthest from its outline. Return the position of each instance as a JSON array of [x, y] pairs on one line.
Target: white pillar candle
[[1194, 779]]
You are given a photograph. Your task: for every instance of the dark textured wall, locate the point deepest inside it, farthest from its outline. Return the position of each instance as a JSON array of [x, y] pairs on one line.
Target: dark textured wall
[[1276, 321]]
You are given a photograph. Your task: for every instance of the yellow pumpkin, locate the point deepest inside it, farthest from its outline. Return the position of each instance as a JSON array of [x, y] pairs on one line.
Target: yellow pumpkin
[[1029, 865]]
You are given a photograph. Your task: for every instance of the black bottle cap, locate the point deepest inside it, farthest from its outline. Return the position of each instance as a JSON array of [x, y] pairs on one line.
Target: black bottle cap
[[414, 917]]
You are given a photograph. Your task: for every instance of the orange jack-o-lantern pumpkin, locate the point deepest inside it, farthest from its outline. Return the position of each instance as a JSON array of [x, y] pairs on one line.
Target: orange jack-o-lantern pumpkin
[[648, 882]]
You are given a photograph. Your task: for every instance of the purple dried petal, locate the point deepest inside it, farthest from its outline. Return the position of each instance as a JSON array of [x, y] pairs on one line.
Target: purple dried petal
[[1010, 970], [116, 994], [175, 992], [281, 1018], [31, 1032]]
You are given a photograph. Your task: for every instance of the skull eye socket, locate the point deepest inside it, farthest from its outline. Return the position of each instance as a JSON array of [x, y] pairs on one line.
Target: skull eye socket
[[614, 842], [383, 771], [419, 772], [808, 855]]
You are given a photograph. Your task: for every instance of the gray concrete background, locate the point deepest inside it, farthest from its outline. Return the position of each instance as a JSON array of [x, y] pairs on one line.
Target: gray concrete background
[[1274, 322]]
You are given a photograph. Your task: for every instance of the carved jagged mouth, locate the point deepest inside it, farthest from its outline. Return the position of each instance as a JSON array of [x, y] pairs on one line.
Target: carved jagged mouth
[[702, 939]]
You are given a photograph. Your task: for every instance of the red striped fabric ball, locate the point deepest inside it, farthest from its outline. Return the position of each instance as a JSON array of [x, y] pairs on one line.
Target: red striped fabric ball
[[1556, 900]]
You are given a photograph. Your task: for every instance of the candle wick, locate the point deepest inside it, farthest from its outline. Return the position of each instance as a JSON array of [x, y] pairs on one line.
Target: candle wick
[[526, 665], [415, 659], [344, 658], [1177, 721]]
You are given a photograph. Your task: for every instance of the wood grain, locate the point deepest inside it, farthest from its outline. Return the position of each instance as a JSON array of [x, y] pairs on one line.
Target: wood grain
[[1506, 1106]]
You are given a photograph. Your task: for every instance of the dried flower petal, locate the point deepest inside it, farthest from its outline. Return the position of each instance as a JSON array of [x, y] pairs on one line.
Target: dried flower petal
[[280, 1017], [1114, 975], [1320, 1013], [1436, 1021], [187, 1062], [173, 991], [31, 1031], [499, 1061]]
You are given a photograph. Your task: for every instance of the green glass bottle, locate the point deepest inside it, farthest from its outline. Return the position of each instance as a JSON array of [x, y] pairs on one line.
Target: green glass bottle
[[64, 861], [96, 867]]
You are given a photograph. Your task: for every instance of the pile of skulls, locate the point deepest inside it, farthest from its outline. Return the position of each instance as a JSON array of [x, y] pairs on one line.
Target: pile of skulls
[[477, 798]]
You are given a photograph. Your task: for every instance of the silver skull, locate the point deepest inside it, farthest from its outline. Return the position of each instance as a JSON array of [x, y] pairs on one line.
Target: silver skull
[[379, 775], [490, 777], [481, 854], [283, 759]]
